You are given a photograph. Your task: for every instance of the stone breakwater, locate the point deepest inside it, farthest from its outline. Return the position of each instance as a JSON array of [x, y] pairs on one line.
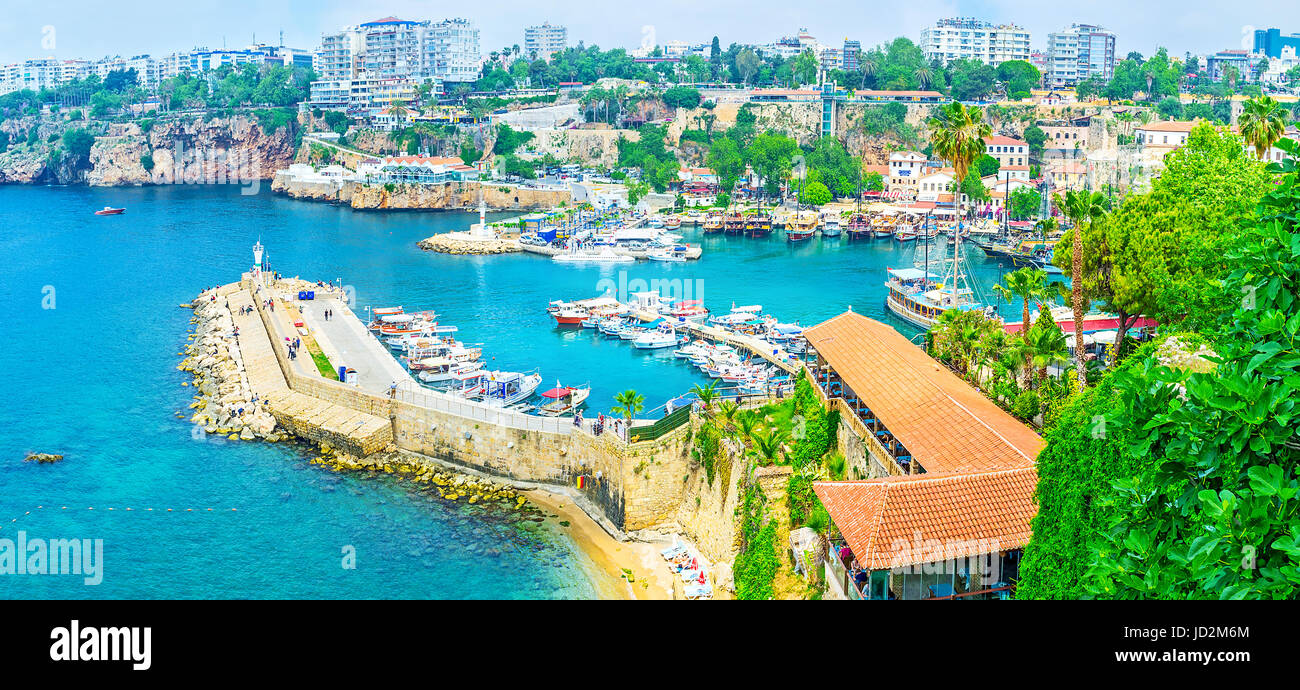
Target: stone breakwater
[[460, 243], [225, 402], [450, 486]]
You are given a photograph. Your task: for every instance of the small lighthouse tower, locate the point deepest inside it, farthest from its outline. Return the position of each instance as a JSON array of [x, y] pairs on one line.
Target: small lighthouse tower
[[481, 230], [258, 250]]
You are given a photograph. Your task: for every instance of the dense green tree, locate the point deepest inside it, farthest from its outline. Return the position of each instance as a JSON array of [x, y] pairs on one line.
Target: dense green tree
[[972, 80], [1025, 203], [725, 161]]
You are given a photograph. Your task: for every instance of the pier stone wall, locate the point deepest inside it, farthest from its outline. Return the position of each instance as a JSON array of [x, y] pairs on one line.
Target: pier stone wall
[[636, 485]]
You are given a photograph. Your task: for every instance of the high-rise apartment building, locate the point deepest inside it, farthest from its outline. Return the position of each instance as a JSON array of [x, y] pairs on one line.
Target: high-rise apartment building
[[1079, 52], [963, 38], [544, 40]]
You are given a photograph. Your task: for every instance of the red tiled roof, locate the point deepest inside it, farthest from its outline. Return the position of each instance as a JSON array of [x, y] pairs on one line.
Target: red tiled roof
[[896, 522], [882, 169], [1014, 167], [999, 140], [1168, 126], [908, 94], [947, 425]]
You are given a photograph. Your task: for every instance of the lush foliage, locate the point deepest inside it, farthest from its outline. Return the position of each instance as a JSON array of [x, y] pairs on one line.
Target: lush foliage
[[1213, 514]]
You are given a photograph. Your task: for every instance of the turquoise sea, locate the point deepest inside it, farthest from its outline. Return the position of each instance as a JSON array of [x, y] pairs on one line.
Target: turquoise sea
[[91, 336]]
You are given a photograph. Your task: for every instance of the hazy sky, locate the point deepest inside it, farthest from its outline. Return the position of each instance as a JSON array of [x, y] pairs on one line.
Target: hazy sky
[[94, 28]]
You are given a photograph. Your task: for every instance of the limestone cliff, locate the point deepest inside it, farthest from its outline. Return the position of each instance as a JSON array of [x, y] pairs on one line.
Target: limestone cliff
[[450, 195], [183, 150]]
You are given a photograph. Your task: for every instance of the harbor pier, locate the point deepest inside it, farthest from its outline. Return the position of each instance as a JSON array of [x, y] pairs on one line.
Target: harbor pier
[[381, 408]]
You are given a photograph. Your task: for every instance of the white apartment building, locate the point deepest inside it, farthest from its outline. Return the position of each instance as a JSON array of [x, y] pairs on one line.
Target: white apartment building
[[972, 39], [1008, 151], [905, 171], [544, 40], [391, 48], [1079, 52]]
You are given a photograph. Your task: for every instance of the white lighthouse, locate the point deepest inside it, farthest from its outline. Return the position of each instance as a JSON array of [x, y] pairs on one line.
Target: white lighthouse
[[258, 249]]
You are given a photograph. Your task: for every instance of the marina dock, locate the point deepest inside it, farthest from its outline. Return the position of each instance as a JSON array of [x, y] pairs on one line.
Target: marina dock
[[714, 334], [692, 251]]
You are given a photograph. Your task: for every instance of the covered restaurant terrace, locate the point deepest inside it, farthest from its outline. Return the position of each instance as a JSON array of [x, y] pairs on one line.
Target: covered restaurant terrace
[[950, 495], [952, 536], [919, 413]]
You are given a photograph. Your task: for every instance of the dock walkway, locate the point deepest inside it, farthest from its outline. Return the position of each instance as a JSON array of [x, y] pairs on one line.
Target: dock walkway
[[302, 414], [779, 357]]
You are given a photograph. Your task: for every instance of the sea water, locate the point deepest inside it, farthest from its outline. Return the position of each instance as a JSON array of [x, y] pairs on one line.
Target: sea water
[[92, 332]]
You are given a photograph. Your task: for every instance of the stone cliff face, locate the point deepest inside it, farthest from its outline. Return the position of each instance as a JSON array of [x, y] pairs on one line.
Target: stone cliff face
[[183, 151], [451, 195]]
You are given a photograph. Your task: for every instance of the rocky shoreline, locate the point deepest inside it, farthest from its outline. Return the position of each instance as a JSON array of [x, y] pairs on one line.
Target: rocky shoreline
[[225, 403], [460, 243]]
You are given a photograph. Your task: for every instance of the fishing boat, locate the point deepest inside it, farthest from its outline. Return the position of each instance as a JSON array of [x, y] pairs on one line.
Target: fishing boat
[[571, 316], [713, 223], [672, 223], [439, 369], [904, 233], [659, 338], [563, 400], [882, 226], [110, 211], [690, 310], [468, 384], [502, 388], [831, 225]]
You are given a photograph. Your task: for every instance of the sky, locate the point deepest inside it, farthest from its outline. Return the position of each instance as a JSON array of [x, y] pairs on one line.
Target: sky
[[90, 29]]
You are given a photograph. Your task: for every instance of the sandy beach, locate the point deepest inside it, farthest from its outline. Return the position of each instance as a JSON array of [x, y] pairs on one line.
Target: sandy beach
[[650, 576]]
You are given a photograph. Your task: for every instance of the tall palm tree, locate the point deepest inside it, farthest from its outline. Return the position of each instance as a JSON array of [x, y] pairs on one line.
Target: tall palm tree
[[1262, 123], [1080, 207], [1025, 284], [923, 76], [397, 108], [629, 402], [957, 135]]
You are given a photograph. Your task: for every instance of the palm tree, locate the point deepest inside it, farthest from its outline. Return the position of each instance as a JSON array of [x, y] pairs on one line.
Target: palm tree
[[1080, 207], [1025, 284], [957, 135], [706, 394], [767, 445], [1262, 122], [727, 411], [629, 402], [923, 76], [397, 108], [746, 423], [1047, 226], [1049, 347]]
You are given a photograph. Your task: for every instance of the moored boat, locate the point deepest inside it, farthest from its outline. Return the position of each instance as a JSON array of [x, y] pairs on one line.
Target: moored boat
[[563, 400]]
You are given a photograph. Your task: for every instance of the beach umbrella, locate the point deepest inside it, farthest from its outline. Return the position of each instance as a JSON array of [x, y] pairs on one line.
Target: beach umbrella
[[1104, 337]]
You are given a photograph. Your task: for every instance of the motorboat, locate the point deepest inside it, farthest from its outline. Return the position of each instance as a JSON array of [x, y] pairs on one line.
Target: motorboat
[[110, 211], [658, 338], [563, 400], [675, 254], [503, 388], [831, 226], [605, 256], [439, 369]]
